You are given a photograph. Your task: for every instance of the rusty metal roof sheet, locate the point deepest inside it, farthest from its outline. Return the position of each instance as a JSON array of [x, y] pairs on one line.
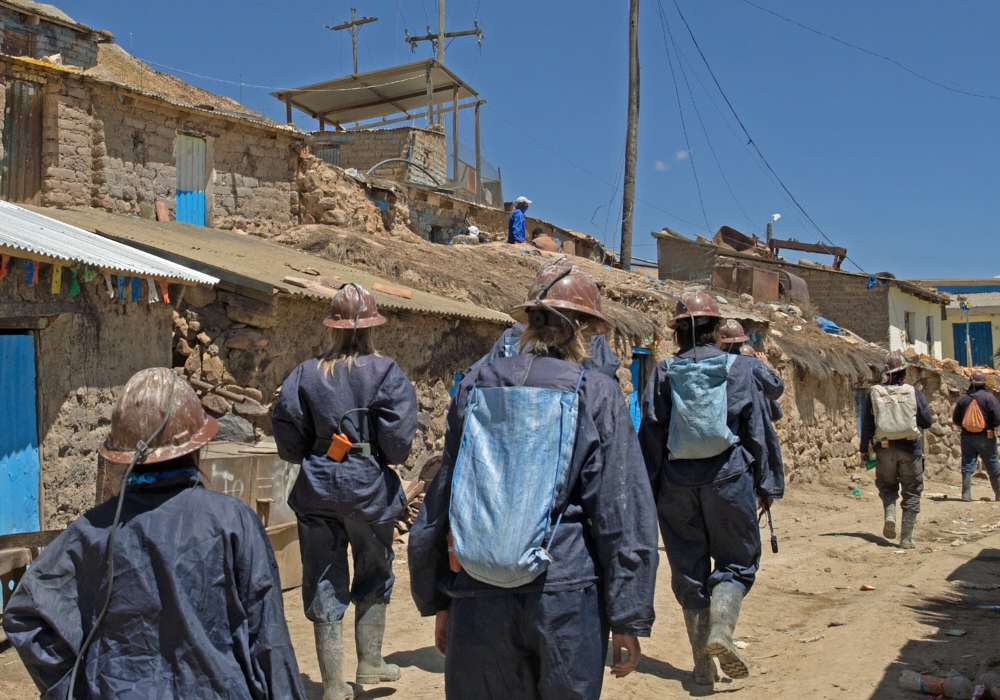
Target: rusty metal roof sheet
[[31, 234], [255, 264]]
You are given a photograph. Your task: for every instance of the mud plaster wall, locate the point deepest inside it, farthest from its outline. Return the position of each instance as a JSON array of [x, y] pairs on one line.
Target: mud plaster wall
[[90, 348], [366, 148], [77, 47]]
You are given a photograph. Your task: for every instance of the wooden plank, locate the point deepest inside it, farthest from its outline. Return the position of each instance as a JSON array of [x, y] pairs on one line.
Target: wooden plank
[[30, 540], [314, 287], [395, 291]]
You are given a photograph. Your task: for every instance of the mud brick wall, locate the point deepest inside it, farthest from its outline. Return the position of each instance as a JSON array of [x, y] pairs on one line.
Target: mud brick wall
[[78, 48], [364, 149], [846, 300]]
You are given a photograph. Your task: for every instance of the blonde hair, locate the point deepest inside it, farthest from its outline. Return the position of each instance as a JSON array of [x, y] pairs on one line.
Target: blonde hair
[[552, 339], [347, 345]]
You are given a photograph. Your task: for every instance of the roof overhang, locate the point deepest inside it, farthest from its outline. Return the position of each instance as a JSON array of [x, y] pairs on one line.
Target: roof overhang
[[400, 90]]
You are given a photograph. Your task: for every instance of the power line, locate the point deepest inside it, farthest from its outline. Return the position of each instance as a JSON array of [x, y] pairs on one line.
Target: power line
[[899, 64], [750, 138]]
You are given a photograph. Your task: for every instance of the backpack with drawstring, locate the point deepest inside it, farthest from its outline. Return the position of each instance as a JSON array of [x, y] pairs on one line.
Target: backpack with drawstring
[[974, 421], [699, 425]]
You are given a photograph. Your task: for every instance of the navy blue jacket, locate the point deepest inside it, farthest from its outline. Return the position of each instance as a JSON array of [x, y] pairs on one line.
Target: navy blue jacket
[[746, 419], [609, 528], [516, 226], [924, 420], [599, 359], [309, 408], [196, 608], [988, 404], [771, 386]]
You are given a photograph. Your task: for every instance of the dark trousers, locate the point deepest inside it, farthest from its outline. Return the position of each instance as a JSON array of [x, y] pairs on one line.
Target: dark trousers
[[976, 445], [898, 470], [704, 523], [327, 588], [526, 646]]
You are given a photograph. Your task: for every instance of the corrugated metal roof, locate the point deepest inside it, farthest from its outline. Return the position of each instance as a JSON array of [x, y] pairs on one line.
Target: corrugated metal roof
[[977, 300], [256, 264], [23, 231]]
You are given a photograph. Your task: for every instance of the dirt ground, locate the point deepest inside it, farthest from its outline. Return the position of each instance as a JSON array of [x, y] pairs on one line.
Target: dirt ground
[[811, 631]]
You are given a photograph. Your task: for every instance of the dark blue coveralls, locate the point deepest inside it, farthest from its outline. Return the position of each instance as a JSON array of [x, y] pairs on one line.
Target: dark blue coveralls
[[356, 501], [771, 387], [196, 608], [976, 445], [708, 507], [599, 359], [547, 640]]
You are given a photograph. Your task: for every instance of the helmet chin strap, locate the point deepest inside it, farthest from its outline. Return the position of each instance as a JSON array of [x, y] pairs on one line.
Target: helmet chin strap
[[540, 300], [357, 313]]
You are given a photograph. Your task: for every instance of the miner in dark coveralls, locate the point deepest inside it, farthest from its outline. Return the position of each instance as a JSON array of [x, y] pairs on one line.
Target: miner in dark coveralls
[[707, 504], [354, 398], [543, 636], [195, 608]]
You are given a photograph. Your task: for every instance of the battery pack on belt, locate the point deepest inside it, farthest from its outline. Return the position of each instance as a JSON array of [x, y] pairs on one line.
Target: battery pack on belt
[[339, 447]]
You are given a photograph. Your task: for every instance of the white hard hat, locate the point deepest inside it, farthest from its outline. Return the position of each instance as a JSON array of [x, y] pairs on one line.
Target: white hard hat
[[473, 231], [522, 200]]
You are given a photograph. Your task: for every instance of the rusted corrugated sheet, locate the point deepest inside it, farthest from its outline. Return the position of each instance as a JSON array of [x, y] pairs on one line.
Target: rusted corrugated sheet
[[21, 178]]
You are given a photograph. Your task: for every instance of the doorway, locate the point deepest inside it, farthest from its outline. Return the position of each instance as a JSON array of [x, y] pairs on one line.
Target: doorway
[[191, 180], [20, 470], [21, 167]]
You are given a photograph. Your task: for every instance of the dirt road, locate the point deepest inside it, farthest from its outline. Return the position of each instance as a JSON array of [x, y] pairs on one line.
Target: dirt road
[[811, 632]]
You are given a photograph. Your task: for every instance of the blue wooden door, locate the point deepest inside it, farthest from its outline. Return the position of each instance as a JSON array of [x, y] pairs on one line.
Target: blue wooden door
[[981, 337], [19, 466], [638, 369], [191, 180]]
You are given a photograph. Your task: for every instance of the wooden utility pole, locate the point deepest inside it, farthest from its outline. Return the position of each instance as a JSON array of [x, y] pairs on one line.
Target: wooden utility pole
[[354, 25], [439, 39], [632, 136]]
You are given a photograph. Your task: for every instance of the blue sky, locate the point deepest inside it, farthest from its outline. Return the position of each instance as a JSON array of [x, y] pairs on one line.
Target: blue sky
[[902, 173]]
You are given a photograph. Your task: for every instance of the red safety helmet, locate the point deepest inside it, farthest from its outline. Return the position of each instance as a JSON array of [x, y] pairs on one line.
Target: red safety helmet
[[140, 410], [354, 307], [563, 286]]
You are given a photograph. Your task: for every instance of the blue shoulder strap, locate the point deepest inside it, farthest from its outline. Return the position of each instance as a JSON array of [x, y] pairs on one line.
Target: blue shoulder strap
[[552, 537]]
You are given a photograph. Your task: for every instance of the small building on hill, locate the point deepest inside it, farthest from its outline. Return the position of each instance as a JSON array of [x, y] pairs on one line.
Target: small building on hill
[[971, 332]]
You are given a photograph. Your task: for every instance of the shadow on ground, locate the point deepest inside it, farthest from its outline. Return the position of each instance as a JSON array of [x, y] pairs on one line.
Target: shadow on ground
[[314, 690], [426, 659], [975, 611], [866, 536]]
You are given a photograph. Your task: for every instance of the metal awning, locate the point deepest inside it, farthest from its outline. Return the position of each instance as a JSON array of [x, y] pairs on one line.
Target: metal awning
[[28, 234], [401, 90]]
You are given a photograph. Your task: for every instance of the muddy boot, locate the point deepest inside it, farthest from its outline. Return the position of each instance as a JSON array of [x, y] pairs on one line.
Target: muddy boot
[[330, 650], [726, 600], [889, 526], [906, 538], [697, 622], [369, 626], [966, 487], [995, 483]]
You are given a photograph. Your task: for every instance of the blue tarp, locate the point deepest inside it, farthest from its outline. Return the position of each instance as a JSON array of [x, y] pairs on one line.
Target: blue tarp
[[828, 326]]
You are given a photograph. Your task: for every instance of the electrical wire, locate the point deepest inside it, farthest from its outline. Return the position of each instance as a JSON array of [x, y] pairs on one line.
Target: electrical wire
[[750, 138], [908, 69]]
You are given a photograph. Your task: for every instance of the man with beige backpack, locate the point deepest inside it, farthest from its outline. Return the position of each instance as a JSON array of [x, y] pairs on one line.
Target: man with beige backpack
[[893, 417], [977, 411]]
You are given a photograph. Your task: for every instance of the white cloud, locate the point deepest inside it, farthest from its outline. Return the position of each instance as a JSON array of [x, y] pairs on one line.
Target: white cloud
[[661, 166], [682, 155]]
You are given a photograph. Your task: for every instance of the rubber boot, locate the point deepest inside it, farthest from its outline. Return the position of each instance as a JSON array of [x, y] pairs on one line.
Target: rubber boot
[[995, 483], [697, 622], [889, 527], [906, 538], [330, 650], [726, 600], [369, 626], [966, 487]]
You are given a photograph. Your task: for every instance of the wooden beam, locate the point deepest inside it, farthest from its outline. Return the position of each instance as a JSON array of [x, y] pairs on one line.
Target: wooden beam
[[454, 131], [412, 116], [288, 109], [29, 539], [430, 93], [479, 161]]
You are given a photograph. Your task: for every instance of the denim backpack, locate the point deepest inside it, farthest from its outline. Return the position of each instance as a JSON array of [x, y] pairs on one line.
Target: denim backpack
[[699, 425], [512, 465]]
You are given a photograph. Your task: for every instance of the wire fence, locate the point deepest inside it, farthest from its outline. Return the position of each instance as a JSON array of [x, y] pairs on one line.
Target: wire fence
[[466, 179]]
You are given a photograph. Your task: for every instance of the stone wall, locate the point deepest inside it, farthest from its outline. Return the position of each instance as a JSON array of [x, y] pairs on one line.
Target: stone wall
[[365, 148], [86, 353], [78, 47]]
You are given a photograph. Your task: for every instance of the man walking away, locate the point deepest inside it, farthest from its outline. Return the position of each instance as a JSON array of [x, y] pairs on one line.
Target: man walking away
[[977, 412], [894, 415], [517, 224]]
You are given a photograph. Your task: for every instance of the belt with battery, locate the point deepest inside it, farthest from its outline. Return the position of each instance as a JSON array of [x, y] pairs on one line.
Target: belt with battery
[[358, 448]]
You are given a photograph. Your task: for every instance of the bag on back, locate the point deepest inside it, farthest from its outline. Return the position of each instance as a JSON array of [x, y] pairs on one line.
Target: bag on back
[[512, 465], [895, 409], [699, 425], [974, 421]]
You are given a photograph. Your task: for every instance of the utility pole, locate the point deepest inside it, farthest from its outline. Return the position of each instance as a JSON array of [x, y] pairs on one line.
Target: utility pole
[[354, 26], [632, 136], [438, 40]]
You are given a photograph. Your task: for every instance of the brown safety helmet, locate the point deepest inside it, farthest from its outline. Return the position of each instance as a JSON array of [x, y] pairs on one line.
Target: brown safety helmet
[[695, 304], [978, 376], [354, 307], [731, 332], [141, 408], [895, 362], [748, 351], [563, 286]]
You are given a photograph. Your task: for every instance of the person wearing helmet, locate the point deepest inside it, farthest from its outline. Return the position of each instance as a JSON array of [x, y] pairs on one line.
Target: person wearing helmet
[[474, 231], [893, 416], [194, 607], [978, 432], [517, 225], [345, 416], [703, 440], [529, 421]]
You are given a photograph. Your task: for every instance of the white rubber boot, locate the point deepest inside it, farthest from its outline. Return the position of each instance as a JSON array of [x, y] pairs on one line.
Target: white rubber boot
[[726, 601], [330, 650]]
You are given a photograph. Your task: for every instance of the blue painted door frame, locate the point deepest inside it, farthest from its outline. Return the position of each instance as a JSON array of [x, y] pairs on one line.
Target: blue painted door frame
[[981, 335], [639, 357], [191, 180], [19, 463]]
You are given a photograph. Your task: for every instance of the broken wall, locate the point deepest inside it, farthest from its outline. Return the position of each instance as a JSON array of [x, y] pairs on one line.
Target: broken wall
[[365, 148], [29, 35]]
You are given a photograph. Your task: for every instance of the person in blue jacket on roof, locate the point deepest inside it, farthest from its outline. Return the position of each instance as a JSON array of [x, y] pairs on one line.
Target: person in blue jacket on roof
[[544, 635], [703, 440], [517, 224], [346, 416]]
